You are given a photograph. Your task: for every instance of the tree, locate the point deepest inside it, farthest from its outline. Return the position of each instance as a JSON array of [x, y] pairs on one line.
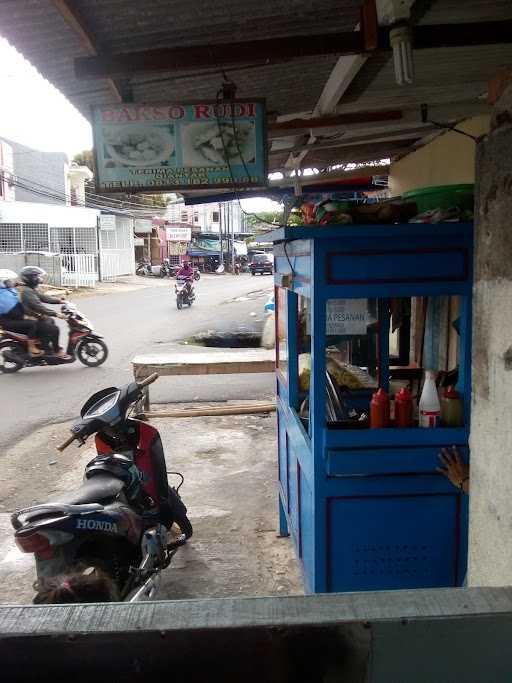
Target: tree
[[264, 220], [85, 158]]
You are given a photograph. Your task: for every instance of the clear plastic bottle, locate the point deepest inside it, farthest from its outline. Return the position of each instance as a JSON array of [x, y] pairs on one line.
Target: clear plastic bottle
[[429, 408]]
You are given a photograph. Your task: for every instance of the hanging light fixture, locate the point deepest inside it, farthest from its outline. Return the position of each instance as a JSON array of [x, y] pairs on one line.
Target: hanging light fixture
[[400, 38]]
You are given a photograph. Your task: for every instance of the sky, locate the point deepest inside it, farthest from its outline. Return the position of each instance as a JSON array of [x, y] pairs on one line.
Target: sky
[[34, 113]]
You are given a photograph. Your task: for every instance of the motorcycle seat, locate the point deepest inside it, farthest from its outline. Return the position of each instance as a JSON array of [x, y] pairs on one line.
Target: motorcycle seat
[[98, 489]]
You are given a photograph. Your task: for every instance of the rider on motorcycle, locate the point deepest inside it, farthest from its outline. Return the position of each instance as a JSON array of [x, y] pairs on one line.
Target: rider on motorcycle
[[33, 303], [11, 311], [186, 272]]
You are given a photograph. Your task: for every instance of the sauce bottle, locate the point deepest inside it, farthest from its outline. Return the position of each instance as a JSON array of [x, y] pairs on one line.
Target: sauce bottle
[[430, 409], [379, 410], [452, 412], [403, 408]]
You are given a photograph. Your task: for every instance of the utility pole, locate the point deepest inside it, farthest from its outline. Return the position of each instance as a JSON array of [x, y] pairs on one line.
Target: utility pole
[[221, 262], [232, 237]]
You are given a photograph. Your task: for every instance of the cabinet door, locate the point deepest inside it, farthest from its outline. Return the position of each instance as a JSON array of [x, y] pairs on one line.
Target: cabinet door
[[388, 542]]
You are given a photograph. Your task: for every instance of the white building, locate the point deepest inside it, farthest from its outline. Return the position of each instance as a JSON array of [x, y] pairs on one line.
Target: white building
[[208, 217], [43, 220]]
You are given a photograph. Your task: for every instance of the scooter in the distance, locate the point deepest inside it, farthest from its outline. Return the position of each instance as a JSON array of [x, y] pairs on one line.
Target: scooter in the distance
[[83, 344], [120, 520], [185, 292]]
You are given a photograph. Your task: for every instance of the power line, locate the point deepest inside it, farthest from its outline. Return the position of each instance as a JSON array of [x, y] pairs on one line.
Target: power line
[[63, 199], [45, 191]]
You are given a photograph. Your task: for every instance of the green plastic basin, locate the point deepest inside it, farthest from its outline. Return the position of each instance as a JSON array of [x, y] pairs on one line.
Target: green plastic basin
[[442, 197]]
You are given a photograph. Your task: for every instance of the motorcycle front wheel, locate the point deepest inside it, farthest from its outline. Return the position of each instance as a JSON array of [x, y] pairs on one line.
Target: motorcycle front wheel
[[179, 303], [92, 352], [9, 365]]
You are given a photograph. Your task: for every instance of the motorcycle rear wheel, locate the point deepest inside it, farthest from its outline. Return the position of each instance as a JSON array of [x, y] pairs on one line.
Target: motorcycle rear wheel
[[92, 352], [8, 366]]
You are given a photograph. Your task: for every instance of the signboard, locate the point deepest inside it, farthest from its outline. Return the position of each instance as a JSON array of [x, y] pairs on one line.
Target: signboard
[[347, 316], [178, 234], [142, 225], [138, 242], [180, 146], [107, 222]]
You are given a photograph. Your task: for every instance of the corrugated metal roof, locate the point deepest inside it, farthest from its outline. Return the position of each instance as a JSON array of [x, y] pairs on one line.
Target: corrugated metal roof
[[122, 25], [454, 11], [441, 75]]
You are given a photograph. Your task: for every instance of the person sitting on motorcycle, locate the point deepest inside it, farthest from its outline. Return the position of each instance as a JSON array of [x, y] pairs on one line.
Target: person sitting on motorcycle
[[12, 314], [186, 272], [33, 303]]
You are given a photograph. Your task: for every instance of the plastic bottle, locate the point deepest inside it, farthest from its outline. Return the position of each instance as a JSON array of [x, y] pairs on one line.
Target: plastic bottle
[[430, 409], [452, 412], [403, 408], [379, 410]]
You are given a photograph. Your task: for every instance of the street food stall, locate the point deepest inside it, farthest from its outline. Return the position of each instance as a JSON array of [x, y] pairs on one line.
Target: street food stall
[[361, 312]]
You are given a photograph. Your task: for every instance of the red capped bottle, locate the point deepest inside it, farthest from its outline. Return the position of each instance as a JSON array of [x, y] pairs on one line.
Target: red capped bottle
[[379, 410], [403, 408]]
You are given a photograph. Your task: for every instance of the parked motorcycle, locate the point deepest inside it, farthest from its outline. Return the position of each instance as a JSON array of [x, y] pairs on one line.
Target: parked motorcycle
[[119, 519], [185, 292], [83, 344], [166, 270], [143, 268], [197, 274]]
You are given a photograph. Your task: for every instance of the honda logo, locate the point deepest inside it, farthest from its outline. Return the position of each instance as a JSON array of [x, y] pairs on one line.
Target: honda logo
[[96, 525]]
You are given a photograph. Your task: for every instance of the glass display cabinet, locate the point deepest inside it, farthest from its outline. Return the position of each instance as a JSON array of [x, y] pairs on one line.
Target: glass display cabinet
[[362, 308]]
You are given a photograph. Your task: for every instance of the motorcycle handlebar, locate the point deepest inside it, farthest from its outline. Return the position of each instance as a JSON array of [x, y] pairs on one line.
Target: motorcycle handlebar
[[149, 380], [67, 443]]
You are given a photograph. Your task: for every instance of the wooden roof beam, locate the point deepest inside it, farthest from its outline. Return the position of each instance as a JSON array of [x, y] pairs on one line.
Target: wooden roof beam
[[286, 48]]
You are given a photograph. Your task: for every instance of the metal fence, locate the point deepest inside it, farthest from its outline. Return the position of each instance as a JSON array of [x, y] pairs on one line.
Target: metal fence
[[79, 270], [117, 250], [110, 266]]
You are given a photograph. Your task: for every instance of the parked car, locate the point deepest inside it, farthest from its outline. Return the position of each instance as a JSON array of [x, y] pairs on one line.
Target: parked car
[[262, 263]]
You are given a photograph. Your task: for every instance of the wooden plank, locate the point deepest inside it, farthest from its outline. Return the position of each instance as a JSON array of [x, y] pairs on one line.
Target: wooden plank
[[293, 125], [286, 48], [238, 409], [267, 51]]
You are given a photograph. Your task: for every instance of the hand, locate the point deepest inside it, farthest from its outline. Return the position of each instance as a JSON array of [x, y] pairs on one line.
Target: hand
[[454, 468], [62, 316]]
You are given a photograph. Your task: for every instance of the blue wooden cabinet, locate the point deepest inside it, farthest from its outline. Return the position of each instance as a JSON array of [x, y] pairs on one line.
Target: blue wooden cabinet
[[366, 508]]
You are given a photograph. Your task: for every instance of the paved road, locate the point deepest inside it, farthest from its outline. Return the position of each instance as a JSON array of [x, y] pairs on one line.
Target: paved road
[[142, 320]]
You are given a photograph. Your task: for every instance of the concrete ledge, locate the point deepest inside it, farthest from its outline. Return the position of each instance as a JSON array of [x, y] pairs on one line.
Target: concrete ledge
[[217, 362], [422, 636]]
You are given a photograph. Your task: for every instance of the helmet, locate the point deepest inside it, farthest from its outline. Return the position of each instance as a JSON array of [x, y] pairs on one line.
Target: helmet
[[7, 278], [32, 275], [118, 466]]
